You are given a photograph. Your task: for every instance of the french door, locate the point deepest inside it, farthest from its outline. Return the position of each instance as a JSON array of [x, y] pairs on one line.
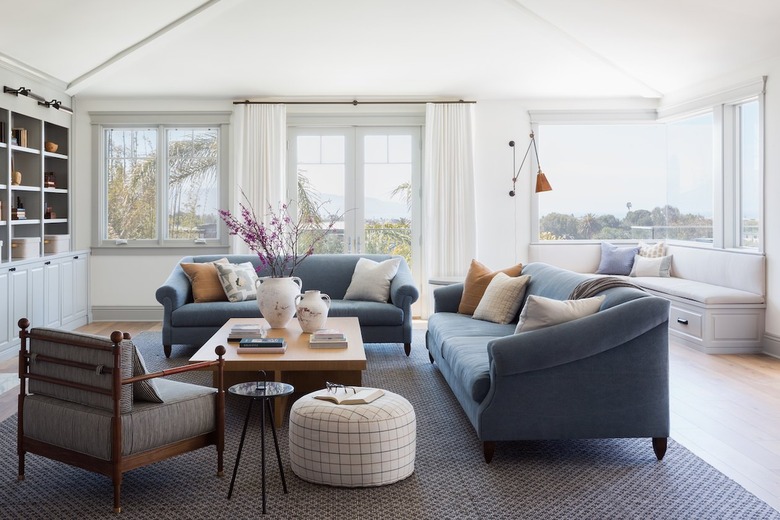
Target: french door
[[368, 175]]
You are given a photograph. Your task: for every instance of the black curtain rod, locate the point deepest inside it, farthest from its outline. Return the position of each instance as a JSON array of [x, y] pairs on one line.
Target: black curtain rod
[[354, 102]]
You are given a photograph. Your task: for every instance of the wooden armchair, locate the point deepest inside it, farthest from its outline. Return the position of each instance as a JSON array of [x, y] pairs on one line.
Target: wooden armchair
[[81, 410]]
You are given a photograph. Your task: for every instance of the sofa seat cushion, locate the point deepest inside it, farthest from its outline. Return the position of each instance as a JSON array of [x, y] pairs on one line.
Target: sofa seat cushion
[[462, 341], [188, 411], [368, 313], [705, 293]]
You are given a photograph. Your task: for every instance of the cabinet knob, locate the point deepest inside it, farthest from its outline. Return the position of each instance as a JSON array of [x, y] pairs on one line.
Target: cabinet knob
[[76, 257], [680, 320], [48, 262], [11, 269]]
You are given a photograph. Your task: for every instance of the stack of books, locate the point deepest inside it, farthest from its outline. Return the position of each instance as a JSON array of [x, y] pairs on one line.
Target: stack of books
[[240, 331], [262, 346], [328, 338]]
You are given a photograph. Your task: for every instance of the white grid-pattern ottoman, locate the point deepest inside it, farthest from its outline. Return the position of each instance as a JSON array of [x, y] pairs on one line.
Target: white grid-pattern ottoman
[[353, 445]]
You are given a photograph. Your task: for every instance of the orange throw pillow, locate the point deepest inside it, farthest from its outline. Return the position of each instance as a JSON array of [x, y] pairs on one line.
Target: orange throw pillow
[[477, 280], [204, 279]]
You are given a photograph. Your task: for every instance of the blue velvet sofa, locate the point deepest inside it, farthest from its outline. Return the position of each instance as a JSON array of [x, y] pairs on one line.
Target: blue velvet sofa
[[186, 322], [602, 376]]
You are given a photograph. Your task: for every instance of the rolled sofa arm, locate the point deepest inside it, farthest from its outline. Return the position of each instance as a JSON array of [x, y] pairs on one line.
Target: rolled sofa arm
[[447, 298], [175, 291], [567, 342], [403, 291]]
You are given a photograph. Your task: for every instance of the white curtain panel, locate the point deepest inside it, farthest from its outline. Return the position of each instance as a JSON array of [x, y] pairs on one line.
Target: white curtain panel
[[261, 156], [449, 225]]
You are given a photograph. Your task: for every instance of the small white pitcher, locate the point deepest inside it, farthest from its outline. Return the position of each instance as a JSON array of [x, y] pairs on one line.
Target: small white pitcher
[[312, 308]]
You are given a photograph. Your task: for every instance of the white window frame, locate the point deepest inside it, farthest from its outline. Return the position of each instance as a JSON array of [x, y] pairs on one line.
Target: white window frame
[[727, 212], [160, 122]]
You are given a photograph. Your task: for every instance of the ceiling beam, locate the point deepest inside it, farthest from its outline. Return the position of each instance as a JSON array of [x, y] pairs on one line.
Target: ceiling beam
[[88, 78]]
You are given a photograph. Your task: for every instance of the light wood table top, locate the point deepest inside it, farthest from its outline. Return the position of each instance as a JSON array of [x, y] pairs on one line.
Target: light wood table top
[[299, 357]]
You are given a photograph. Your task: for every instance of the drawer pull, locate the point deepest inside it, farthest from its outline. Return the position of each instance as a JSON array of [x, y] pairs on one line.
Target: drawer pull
[[47, 263], [680, 320], [11, 269]]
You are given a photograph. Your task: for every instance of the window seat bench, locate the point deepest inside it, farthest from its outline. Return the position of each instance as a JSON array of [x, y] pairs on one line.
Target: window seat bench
[[717, 297]]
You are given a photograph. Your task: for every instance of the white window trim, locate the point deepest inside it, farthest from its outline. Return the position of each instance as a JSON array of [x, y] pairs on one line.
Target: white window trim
[[726, 209], [161, 121]]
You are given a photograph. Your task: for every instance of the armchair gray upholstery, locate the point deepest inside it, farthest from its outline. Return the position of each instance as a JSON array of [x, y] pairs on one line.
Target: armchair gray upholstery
[[76, 405]]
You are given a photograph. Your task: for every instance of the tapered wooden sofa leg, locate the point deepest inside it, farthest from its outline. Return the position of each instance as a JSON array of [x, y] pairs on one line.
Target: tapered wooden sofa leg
[[167, 349], [659, 447], [488, 449], [408, 348]]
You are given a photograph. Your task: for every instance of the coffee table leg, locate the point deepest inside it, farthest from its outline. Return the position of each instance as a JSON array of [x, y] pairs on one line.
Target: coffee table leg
[[276, 445], [240, 448]]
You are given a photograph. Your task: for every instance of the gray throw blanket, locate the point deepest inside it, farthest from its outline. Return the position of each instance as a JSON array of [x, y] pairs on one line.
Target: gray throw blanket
[[593, 286]]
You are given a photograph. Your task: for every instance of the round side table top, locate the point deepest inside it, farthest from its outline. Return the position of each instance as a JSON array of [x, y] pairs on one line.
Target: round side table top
[[258, 389]]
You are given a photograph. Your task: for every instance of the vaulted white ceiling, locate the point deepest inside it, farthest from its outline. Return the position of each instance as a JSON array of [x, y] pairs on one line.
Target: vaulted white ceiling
[[481, 49]]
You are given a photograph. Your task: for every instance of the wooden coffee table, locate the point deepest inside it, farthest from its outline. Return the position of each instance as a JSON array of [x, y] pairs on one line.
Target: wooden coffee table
[[307, 369]]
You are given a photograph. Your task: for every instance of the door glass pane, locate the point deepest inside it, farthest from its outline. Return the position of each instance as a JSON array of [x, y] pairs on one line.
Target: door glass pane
[[321, 168], [750, 181], [131, 184], [193, 174], [388, 195]]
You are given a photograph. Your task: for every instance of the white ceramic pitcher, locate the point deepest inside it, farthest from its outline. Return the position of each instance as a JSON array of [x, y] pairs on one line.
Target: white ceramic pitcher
[[312, 308]]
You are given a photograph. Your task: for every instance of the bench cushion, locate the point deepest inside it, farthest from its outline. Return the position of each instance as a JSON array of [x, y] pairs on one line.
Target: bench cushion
[[705, 293]]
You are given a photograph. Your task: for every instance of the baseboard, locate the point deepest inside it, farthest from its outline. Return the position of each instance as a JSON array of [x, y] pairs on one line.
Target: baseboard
[[135, 313], [772, 345]]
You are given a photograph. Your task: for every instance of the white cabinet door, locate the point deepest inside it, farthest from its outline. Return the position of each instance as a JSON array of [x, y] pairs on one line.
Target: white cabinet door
[[51, 293], [68, 285], [20, 295], [7, 329], [81, 286], [35, 296]]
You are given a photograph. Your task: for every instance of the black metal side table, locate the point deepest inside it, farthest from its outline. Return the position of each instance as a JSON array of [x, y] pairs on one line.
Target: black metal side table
[[263, 391]]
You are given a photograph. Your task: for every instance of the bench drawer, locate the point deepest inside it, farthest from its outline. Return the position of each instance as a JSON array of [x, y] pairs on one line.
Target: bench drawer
[[685, 321]]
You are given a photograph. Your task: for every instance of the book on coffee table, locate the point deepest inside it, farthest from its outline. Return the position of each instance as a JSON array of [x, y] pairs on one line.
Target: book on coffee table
[[345, 396], [246, 330], [262, 346], [328, 343]]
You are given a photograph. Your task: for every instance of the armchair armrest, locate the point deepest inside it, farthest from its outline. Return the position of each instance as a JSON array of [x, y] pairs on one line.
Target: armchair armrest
[[447, 298], [579, 339], [403, 291]]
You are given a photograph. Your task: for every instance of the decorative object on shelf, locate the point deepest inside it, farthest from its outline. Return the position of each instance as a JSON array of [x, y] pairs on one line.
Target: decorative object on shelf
[[541, 179], [276, 298], [50, 146], [16, 179], [49, 180], [49, 214], [18, 213], [312, 309], [26, 92], [20, 135]]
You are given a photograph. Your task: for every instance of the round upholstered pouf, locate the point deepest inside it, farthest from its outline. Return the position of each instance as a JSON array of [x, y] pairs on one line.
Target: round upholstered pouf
[[353, 445]]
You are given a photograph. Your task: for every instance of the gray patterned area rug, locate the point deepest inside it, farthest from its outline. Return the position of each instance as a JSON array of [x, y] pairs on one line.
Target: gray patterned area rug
[[614, 478]]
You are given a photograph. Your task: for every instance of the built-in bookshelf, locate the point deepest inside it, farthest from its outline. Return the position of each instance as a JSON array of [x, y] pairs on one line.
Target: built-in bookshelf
[[34, 183]]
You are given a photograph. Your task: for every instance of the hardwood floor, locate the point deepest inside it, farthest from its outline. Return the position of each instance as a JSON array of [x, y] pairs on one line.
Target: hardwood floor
[[725, 408]]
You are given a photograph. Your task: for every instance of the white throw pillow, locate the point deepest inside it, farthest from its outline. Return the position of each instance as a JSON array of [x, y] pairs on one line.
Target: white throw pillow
[[238, 281], [655, 250], [371, 280], [540, 312], [502, 298], [658, 267]]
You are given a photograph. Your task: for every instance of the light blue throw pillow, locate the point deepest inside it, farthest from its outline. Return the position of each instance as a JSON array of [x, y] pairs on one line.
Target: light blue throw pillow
[[616, 260]]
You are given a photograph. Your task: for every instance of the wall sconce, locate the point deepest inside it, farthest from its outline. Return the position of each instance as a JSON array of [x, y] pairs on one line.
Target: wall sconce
[[542, 184], [26, 92], [55, 104]]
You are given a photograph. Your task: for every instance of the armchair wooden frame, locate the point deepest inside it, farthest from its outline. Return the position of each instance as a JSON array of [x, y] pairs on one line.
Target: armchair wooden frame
[[118, 463]]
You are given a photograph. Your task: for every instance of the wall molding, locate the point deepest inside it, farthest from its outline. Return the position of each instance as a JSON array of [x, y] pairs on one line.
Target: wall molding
[[127, 313], [771, 345]]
